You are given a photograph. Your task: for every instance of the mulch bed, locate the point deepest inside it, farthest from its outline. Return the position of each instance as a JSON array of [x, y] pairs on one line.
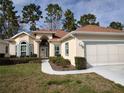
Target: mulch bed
[[60, 68]]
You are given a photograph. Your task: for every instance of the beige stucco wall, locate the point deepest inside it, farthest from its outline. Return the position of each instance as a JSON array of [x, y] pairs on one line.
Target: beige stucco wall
[[39, 36], [22, 37], [12, 48], [17, 40], [36, 48], [3, 48], [36, 44], [52, 49], [72, 49], [79, 49], [27, 38]]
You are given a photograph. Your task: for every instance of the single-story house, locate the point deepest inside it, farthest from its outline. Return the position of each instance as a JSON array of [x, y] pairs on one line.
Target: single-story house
[[99, 45], [4, 48]]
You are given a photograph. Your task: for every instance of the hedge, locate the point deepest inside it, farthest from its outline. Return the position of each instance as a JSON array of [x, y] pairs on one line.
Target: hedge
[[60, 61], [80, 63], [12, 61]]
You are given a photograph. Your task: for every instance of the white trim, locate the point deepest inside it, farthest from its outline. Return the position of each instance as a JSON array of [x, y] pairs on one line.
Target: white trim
[[68, 35], [45, 32], [98, 33], [71, 34], [20, 34], [86, 40]]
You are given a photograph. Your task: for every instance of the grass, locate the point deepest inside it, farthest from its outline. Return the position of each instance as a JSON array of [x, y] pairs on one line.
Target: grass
[[27, 78]]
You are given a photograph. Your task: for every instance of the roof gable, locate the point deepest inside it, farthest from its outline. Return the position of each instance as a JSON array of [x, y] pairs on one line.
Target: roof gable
[[21, 33]]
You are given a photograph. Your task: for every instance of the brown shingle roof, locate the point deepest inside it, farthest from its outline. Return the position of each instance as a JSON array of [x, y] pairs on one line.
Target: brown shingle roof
[[94, 28], [43, 31], [60, 33], [56, 33]]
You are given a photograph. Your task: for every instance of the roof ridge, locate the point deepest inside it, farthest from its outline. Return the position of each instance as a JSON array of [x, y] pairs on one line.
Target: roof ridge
[[95, 28]]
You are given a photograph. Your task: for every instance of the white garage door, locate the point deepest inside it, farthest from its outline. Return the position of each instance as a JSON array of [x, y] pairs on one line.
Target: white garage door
[[102, 54]]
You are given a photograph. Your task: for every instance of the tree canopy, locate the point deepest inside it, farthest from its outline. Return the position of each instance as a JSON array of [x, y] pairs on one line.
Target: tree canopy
[[30, 14], [69, 21], [88, 19], [10, 23], [116, 25], [54, 15], [8, 19]]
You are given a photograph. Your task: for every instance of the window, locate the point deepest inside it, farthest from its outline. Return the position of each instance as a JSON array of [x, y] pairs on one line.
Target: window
[[66, 49], [31, 49], [16, 50], [23, 49], [6, 49], [57, 50]]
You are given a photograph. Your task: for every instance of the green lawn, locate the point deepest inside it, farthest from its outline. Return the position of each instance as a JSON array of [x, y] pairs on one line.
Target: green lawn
[[27, 78]]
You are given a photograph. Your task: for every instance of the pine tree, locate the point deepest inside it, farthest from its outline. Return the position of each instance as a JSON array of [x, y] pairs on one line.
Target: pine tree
[[54, 15], [31, 14], [88, 19], [8, 19], [69, 22]]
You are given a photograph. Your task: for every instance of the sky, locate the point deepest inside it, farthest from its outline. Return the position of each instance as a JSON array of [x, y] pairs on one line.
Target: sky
[[106, 11]]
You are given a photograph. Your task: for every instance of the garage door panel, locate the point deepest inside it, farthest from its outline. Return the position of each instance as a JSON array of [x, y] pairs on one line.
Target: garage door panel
[[91, 50], [101, 50], [91, 59], [112, 49], [105, 53], [101, 59], [121, 58], [112, 58], [120, 49]]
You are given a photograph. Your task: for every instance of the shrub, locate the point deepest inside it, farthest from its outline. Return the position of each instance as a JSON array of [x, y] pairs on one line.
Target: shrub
[[60, 61], [12, 56], [2, 55], [35, 61], [65, 62], [53, 59], [34, 55], [80, 63], [59, 55], [12, 61]]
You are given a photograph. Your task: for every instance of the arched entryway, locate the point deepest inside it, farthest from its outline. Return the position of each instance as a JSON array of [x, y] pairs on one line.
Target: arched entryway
[[44, 47]]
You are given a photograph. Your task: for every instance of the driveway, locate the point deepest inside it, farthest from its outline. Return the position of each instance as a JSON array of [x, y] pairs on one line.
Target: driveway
[[114, 72]]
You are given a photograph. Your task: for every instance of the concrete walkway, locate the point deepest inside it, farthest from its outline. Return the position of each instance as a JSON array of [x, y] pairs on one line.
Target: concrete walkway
[[114, 73], [46, 68]]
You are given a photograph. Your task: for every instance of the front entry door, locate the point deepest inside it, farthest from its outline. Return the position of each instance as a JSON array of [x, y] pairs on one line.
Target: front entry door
[[44, 52]]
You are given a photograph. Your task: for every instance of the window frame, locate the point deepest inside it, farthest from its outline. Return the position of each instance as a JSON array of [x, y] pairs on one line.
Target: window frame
[[57, 50], [23, 44]]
